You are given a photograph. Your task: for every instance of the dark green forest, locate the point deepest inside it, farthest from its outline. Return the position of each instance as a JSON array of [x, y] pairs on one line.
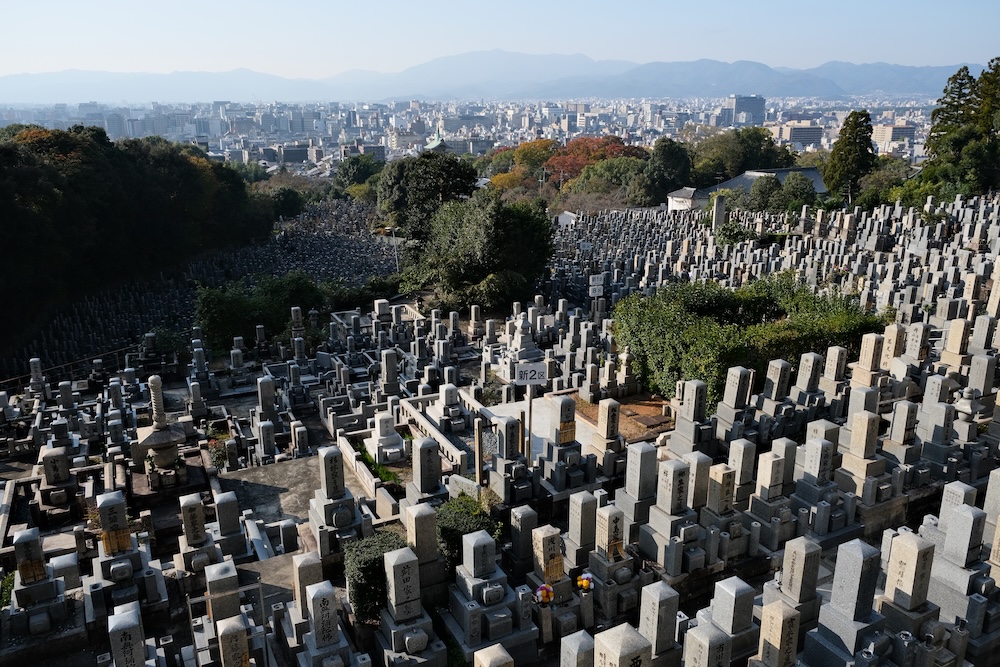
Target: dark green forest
[[78, 211], [236, 308]]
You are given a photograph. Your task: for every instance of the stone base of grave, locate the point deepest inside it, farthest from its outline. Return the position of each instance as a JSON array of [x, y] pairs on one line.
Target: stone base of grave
[[982, 650], [562, 590], [236, 545], [667, 524], [669, 658], [516, 568], [653, 545], [876, 518], [822, 652], [834, 538], [147, 586], [521, 643], [433, 582], [313, 656], [204, 640], [591, 393], [557, 500], [554, 622], [807, 399], [511, 491], [146, 495], [575, 557], [839, 637], [636, 512], [897, 451], [808, 610], [610, 464], [435, 655], [415, 496], [744, 643], [616, 587], [289, 628], [708, 518], [741, 499], [64, 637], [190, 564], [898, 619]]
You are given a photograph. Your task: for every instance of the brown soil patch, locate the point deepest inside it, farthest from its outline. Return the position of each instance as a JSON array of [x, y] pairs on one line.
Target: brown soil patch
[[641, 416]]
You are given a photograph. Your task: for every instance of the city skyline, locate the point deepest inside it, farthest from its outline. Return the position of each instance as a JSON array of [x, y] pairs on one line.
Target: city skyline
[[114, 36]]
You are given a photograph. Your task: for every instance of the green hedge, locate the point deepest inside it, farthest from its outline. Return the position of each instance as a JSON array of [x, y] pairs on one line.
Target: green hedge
[[697, 331], [364, 569], [458, 517]]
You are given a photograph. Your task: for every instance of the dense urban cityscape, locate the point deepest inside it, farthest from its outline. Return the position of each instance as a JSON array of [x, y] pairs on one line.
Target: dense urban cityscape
[[313, 138]]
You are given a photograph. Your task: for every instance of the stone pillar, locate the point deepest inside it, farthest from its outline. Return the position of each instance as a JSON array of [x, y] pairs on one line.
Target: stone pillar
[[658, 616], [156, 399], [128, 642], [577, 650], [331, 472], [622, 646], [779, 635], [234, 649]]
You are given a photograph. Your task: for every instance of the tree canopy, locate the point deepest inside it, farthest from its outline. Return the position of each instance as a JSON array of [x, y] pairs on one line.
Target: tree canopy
[[729, 154], [483, 250], [235, 309], [569, 161], [853, 156], [357, 169], [599, 172], [521, 167], [768, 194], [668, 169], [963, 142], [606, 176], [411, 190], [91, 211]]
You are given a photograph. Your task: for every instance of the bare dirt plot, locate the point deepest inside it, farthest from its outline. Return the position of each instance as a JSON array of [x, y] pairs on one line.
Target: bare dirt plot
[[641, 416]]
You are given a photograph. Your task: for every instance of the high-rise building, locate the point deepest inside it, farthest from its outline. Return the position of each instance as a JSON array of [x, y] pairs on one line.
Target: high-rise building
[[803, 133], [114, 125], [898, 132], [745, 109]]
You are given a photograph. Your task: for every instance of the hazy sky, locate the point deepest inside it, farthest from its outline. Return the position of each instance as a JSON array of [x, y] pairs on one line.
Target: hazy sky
[[315, 38]]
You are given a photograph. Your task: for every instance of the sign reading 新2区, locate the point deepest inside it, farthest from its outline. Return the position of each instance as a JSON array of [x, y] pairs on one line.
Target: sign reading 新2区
[[536, 373]]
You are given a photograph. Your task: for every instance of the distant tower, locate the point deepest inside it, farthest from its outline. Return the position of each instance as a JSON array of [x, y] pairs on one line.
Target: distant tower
[[745, 109]]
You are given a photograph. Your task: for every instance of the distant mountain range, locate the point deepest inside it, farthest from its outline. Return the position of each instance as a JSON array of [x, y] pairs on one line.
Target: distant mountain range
[[488, 75]]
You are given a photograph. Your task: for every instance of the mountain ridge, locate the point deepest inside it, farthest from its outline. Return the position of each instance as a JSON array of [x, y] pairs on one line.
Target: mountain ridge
[[493, 74]]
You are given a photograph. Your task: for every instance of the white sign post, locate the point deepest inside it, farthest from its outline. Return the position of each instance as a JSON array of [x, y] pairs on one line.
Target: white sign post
[[533, 373], [528, 375]]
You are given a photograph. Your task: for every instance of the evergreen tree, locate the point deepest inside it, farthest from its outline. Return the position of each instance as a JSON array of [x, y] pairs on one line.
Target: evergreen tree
[[484, 250], [411, 190], [985, 101], [668, 169], [853, 156], [761, 191], [954, 110], [798, 190], [963, 140]]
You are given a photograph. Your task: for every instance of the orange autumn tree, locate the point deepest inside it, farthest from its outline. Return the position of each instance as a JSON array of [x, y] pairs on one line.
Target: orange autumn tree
[[569, 161], [529, 158]]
